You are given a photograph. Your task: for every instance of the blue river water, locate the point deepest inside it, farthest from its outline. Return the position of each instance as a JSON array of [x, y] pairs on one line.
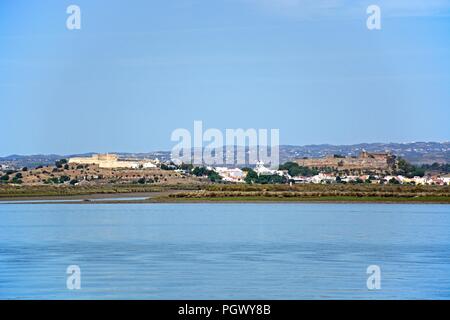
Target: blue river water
[[224, 251]]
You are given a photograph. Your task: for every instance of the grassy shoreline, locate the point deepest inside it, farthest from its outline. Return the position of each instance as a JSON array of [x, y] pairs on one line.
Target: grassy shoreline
[[221, 193], [165, 198], [58, 192], [313, 193], [338, 199]]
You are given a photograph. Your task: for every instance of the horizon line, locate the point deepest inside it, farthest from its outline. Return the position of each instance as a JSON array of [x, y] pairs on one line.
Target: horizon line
[[281, 145]]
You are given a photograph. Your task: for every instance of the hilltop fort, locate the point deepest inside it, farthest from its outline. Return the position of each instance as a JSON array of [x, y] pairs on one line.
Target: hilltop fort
[[112, 161], [377, 162]]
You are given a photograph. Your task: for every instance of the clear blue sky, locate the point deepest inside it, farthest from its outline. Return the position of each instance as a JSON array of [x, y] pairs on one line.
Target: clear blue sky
[[137, 70]]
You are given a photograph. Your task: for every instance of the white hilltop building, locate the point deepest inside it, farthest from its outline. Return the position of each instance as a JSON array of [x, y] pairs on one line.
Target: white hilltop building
[[149, 165], [231, 175], [260, 169], [446, 179], [323, 178], [112, 161]]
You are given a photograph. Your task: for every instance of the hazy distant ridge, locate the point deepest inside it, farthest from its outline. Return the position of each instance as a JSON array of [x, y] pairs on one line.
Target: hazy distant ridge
[[415, 152]]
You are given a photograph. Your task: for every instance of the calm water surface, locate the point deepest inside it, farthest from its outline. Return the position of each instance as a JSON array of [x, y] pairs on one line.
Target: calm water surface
[[222, 251]]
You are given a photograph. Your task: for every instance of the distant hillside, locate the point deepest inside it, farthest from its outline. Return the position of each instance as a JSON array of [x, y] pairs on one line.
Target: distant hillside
[[415, 152]]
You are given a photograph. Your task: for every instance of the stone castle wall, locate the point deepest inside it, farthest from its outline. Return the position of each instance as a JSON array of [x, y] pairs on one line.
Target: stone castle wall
[[110, 161], [365, 161]]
